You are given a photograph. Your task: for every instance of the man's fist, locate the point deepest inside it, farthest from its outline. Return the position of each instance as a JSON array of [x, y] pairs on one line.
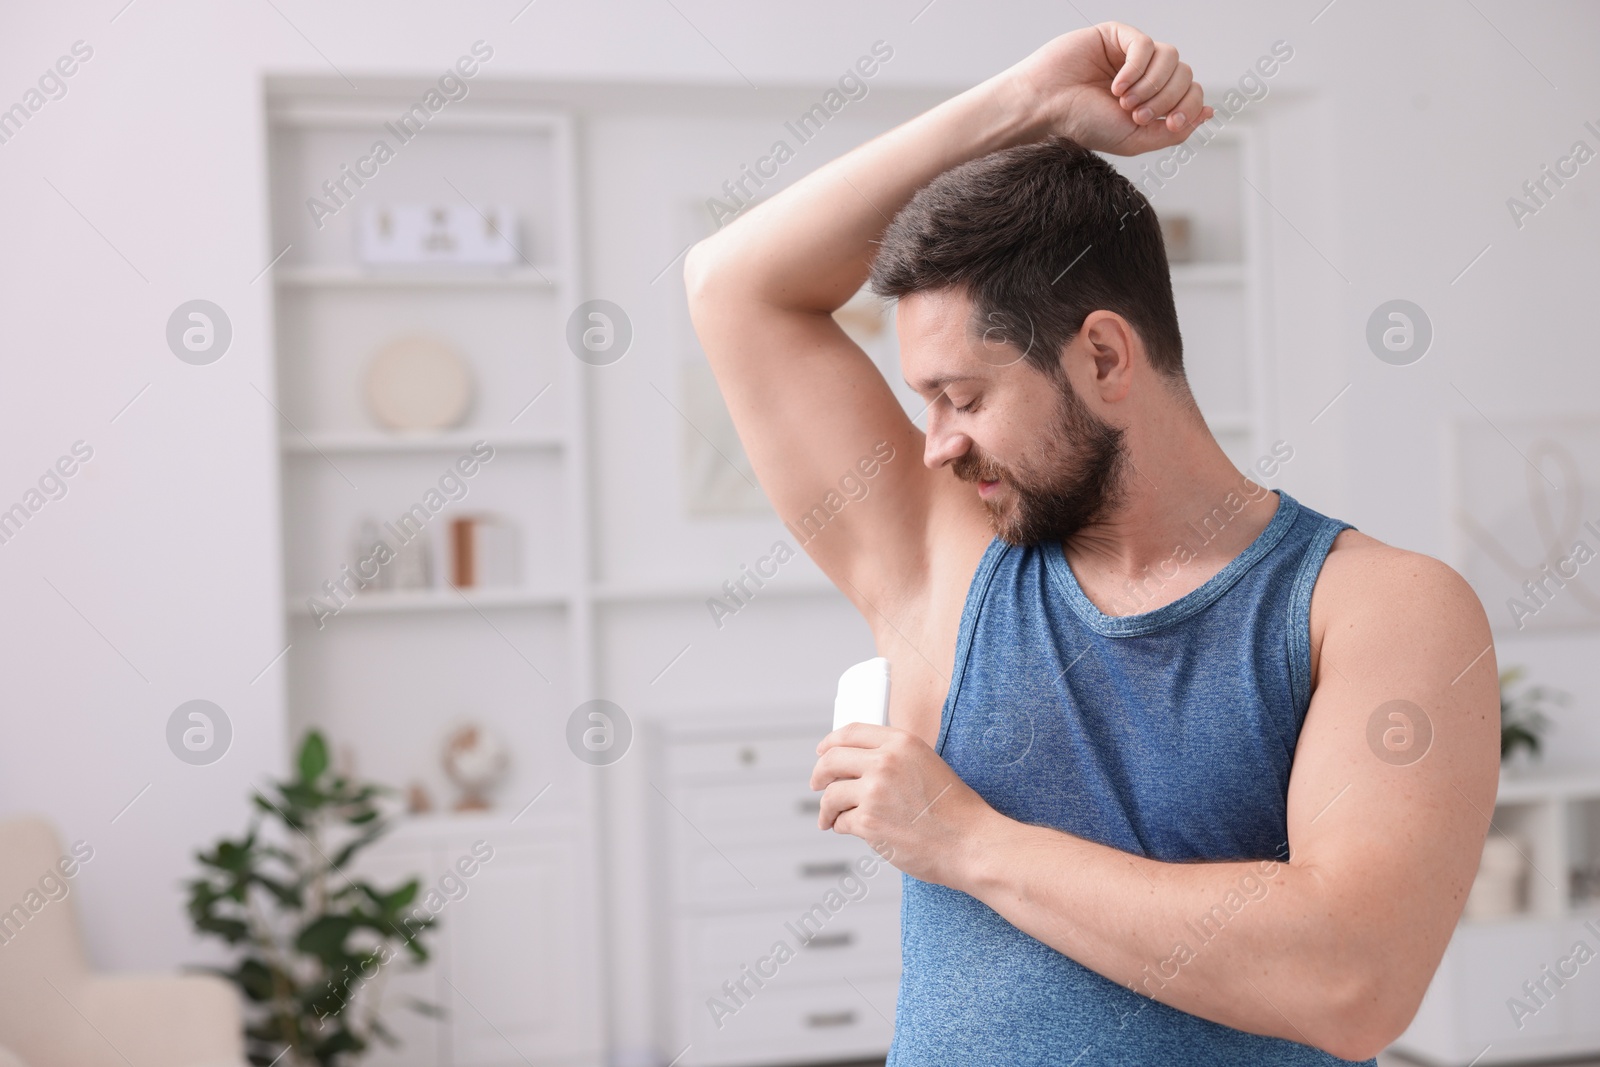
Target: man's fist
[[1113, 89]]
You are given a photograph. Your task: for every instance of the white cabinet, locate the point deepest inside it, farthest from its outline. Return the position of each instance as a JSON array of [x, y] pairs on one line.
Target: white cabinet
[[778, 942], [508, 963], [422, 1040], [516, 964], [1516, 989]]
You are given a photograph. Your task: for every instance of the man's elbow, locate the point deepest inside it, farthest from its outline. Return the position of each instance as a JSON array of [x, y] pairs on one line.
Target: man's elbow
[[1363, 1014]]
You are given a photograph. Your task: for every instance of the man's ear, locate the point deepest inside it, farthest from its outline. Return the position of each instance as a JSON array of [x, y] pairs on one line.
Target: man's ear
[[1110, 343]]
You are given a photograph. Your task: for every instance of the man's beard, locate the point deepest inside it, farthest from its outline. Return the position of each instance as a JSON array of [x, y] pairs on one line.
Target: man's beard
[[1080, 478]]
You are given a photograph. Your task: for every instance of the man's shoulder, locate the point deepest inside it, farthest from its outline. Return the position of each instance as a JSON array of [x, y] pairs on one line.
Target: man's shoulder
[[1368, 585], [1359, 566]]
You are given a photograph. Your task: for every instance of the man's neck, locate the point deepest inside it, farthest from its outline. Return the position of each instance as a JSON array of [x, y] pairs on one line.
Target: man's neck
[[1186, 512]]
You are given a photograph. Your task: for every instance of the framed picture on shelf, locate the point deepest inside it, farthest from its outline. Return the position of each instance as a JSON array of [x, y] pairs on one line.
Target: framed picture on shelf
[[1527, 519], [715, 473]]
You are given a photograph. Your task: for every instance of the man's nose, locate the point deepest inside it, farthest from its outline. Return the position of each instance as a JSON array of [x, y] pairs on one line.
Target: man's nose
[[943, 445]]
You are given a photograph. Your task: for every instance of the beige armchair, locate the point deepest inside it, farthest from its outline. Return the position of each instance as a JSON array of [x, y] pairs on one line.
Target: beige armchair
[[56, 1012]]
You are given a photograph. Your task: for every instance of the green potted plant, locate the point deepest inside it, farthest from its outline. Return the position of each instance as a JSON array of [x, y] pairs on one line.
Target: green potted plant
[[308, 936], [1522, 717]]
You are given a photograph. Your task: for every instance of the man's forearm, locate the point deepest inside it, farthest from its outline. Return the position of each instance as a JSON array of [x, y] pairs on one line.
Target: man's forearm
[[808, 248], [1256, 945]]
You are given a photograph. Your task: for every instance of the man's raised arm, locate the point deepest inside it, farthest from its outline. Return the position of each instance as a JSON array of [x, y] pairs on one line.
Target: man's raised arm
[[807, 402]]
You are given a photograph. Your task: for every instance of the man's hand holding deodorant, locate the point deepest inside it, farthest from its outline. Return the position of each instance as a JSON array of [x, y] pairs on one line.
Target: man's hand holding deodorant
[[887, 786]]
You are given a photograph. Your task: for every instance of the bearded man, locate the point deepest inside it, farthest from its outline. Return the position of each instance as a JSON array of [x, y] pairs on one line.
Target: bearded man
[[1192, 832]]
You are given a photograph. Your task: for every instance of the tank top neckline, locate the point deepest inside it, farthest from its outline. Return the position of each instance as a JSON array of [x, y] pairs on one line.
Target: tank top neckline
[[1190, 603]]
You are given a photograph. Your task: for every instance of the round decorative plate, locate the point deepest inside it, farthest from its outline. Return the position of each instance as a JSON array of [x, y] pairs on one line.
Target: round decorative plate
[[418, 383]]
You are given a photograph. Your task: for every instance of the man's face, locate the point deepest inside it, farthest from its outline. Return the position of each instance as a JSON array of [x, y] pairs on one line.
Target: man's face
[[1042, 462]]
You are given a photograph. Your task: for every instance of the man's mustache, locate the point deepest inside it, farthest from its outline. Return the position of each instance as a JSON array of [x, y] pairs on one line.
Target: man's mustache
[[977, 468]]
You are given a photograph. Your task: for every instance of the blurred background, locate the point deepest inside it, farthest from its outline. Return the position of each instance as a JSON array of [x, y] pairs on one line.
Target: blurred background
[[354, 432]]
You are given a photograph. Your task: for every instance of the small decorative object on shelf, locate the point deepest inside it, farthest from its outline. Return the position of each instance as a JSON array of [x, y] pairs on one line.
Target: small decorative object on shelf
[[1500, 887], [483, 552], [420, 234], [418, 383], [1522, 718], [1177, 233], [418, 800], [412, 567], [372, 551], [312, 947], [476, 761], [1585, 885]]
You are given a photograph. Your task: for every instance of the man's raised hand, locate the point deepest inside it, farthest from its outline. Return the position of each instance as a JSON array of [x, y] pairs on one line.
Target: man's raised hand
[[1114, 89]]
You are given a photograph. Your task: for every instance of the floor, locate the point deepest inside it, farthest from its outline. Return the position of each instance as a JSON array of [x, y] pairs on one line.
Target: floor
[[1394, 1059]]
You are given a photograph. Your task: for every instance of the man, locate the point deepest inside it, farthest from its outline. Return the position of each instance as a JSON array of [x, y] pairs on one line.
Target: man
[[1179, 770]]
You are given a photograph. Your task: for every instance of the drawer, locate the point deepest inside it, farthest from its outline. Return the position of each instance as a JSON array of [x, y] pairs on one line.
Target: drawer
[[803, 1022], [735, 813], [862, 937], [759, 875], [750, 759]]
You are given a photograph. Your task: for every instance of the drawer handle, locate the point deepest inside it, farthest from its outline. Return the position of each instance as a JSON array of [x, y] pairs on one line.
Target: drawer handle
[[818, 1020], [808, 805], [824, 870], [839, 940]]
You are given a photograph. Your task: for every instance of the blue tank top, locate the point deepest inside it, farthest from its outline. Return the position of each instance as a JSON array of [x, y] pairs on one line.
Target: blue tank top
[[1168, 734]]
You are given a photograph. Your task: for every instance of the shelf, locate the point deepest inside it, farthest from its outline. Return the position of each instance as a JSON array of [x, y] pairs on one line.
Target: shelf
[[1537, 785], [337, 276], [388, 601], [630, 593], [407, 828], [375, 441], [1207, 273]]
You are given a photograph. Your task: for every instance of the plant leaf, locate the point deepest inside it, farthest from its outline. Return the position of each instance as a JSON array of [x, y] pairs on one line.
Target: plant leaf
[[324, 937], [313, 757], [402, 896], [341, 1040], [255, 979], [342, 857]]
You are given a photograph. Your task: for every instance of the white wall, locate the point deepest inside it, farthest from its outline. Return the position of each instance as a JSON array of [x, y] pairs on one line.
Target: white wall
[[155, 580]]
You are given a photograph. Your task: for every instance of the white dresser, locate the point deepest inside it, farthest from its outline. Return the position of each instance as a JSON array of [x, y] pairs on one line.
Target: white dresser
[[512, 960], [777, 943]]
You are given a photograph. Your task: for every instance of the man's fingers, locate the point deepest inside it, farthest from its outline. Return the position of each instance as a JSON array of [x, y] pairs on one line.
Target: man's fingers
[[1189, 112], [838, 798], [1137, 50], [1167, 98], [1144, 92], [839, 763], [858, 734]]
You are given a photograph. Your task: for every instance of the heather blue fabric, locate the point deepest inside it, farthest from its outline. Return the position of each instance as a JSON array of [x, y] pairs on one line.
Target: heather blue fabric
[[1167, 734]]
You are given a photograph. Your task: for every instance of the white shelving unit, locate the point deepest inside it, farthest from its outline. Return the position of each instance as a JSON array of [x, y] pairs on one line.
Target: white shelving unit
[[516, 965], [1471, 1013]]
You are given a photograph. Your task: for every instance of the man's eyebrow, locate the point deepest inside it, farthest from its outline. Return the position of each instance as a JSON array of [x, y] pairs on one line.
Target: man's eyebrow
[[938, 384]]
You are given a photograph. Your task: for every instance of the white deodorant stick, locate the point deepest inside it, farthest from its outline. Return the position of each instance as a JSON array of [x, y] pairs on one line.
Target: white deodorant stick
[[863, 694]]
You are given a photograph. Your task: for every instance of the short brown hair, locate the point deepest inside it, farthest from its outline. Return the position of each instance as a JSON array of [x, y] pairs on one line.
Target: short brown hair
[[1038, 236]]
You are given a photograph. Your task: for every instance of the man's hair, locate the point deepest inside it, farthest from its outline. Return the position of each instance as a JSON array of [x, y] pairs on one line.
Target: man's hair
[[1037, 236]]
